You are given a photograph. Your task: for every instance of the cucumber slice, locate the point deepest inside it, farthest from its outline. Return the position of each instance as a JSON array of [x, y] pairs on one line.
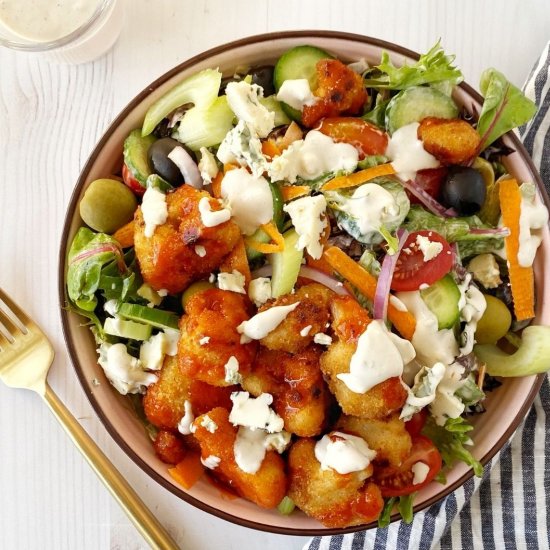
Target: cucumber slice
[[272, 104], [127, 329], [299, 62], [135, 155], [416, 103], [442, 299], [150, 316], [286, 265], [200, 89], [158, 182]]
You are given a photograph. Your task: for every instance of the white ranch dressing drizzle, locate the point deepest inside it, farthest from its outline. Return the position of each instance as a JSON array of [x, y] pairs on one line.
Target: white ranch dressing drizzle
[[533, 215], [420, 471], [296, 93], [407, 152], [380, 355], [431, 345], [44, 20], [254, 412], [372, 206], [154, 210], [249, 199], [186, 422], [212, 218], [250, 447], [263, 323], [343, 453]]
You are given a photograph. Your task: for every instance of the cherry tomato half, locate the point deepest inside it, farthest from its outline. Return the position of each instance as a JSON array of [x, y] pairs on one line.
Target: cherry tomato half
[[416, 423], [367, 138], [398, 481], [430, 180], [411, 270], [131, 182]]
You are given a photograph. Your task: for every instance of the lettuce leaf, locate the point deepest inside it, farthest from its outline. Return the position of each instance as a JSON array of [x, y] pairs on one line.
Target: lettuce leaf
[[404, 507], [433, 66], [88, 254], [504, 107], [451, 439]]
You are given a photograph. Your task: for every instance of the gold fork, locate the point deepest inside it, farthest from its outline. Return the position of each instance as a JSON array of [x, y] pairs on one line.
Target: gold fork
[[25, 358]]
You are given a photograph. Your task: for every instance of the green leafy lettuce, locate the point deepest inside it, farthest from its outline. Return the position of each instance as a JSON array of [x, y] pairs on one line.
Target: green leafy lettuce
[[435, 66], [404, 507], [504, 107], [451, 439]]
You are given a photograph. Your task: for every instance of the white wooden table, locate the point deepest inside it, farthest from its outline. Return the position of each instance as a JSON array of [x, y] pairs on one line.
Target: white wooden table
[[50, 118]]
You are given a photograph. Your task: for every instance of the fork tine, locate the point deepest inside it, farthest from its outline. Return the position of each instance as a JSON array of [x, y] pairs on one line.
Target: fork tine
[[12, 313]]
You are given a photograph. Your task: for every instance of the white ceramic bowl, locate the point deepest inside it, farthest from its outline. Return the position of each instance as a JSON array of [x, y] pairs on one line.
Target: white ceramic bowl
[[506, 405]]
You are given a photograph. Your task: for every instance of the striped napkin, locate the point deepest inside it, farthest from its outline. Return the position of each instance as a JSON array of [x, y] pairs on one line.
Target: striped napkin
[[509, 507]]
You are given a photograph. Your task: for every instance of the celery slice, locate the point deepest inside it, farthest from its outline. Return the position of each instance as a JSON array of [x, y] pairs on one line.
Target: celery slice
[[532, 357], [286, 265], [205, 126], [201, 89]]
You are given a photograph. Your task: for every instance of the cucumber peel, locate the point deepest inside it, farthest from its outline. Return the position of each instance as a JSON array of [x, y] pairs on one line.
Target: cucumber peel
[[532, 357], [127, 329], [135, 155], [286, 265], [442, 299], [150, 316]]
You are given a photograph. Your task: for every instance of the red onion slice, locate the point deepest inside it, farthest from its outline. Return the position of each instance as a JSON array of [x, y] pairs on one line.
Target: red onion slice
[[496, 232], [105, 247], [382, 294], [310, 273], [188, 167], [427, 200]]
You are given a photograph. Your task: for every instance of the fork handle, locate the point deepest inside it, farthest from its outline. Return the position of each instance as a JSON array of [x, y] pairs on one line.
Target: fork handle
[[145, 522]]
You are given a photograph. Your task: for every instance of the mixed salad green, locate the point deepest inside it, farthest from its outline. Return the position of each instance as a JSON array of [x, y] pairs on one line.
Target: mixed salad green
[[369, 179]]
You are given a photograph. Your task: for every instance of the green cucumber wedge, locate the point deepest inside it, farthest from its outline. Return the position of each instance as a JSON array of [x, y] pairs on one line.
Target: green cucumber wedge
[[442, 299], [286, 265], [127, 329], [135, 155], [150, 316], [299, 62], [417, 103]]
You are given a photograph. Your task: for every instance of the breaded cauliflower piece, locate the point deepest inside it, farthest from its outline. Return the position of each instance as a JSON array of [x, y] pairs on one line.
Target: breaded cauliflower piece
[[209, 336], [349, 322], [336, 500], [169, 259], [266, 487], [388, 436], [312, 312], [300, 395]]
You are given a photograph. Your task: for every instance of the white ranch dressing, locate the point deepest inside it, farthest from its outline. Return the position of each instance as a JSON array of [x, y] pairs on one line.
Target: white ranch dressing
[[254, 412], [251, 446], [296, 93], [249, 199], [431, 345], [209, 217], [154, 210], [45, 20], [185, 425], [263, 323], [533, 215], [407, 152], [420, 471], [380, 355], [371, 206], [343, 453], [472, 306], [211, 462], [312, 157], [446, 404]]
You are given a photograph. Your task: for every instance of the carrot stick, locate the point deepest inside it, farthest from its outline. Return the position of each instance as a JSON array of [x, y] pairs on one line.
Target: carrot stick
[[277, 244], [352, 180], [125, 235], [237, 260], [521, 278], [217, 185], [270, 148], [291, 192], [359, 277], [188, 471]]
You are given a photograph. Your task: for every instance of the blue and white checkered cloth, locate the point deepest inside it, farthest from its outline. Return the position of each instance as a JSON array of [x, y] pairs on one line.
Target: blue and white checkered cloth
[[509, 508]]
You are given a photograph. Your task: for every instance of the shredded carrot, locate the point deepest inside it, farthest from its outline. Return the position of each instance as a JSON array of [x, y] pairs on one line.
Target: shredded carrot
[[188, 471], [229, 166], [277, 243], [358, 178], [125, 235], [270, 148], [521, 278], [291, 192], [359, 277], [321, 264], [237, 260], [217, 185]]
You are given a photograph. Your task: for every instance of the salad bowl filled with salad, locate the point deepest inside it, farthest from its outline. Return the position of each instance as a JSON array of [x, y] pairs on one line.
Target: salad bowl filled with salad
[[312, 269]]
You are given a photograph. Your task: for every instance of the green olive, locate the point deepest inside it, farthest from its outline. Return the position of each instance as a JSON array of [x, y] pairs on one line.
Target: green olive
[[494, 323], [195, 288], [107, 205]]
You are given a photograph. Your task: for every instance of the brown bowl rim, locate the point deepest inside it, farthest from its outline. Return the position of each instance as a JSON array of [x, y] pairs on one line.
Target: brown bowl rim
[[394, 48]]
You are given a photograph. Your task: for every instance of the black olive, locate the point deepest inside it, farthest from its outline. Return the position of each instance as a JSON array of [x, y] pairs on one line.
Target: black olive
[[464, 190], [160, 164], [263, 76]]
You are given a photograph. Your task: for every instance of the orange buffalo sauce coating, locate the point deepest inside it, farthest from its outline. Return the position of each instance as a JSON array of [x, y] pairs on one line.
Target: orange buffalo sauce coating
[[340, 91]]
